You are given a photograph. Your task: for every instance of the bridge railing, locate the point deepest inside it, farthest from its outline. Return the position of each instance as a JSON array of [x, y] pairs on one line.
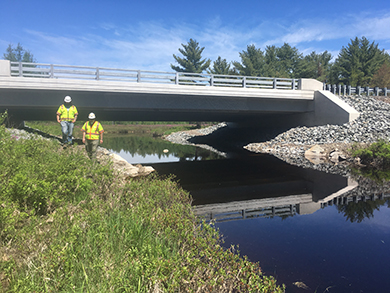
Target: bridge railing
[[259, 212], [42, 70], [347, 90]]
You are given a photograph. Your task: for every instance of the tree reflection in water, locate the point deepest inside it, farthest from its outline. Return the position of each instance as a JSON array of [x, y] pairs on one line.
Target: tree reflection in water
[[358, 211], [148, 145]]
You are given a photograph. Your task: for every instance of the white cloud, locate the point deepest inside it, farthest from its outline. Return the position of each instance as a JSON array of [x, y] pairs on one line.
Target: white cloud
[[375, 28], [150, 45]]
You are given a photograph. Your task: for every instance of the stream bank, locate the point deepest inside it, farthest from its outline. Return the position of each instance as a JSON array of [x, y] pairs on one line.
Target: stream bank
[[325, 148]]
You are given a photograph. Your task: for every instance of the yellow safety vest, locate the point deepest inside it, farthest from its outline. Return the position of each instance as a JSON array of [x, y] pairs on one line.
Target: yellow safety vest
[[92, 132], [65, 114]]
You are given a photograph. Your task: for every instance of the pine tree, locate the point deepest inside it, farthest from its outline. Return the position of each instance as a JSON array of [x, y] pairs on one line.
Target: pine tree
[[316, 66], [357, 63], [18, 54], [220, 66], [192, 60], [289, 61], [271, 67], [252, 62]]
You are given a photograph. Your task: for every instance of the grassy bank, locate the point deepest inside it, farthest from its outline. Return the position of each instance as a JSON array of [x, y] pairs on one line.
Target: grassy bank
[[69, 225]]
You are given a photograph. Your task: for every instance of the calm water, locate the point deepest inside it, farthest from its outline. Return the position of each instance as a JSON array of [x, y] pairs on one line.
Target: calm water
[[295, 222]]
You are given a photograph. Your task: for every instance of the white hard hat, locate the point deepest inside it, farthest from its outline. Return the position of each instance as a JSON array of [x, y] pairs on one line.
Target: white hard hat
[[91, 116], [68, 99]]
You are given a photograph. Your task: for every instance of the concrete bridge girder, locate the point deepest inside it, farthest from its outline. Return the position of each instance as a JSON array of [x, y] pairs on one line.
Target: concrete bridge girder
[[38, 99]]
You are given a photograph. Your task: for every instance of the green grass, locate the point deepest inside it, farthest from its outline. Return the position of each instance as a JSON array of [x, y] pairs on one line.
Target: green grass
[[71, 225]]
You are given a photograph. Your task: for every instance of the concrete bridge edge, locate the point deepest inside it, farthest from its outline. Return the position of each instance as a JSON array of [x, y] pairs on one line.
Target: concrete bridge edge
[[328, 108], [5, 68]]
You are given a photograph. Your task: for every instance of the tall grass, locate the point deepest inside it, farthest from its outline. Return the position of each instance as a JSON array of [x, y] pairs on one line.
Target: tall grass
[[75, 226]]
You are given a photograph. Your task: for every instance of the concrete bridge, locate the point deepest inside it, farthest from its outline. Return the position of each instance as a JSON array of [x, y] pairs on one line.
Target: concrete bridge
[[33, 91]]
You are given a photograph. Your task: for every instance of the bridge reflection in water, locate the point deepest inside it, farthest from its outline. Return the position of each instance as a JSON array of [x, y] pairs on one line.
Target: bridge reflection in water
[[255, 186]]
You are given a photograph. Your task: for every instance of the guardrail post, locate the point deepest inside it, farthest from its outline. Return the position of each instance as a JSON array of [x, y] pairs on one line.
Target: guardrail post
[[367, 91], [51, 71], [20, 69], [212, 80], [177, 78], [244, 82], [385, 91], [293, 85], [339, 89], [358, 90], [274, 83], [376, 91], [334, 89], [139, 76], [344, 90], [97, 73], [349, 91]]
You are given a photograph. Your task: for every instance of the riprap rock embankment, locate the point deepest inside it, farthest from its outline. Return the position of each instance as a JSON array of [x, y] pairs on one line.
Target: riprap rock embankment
[[326, 147]]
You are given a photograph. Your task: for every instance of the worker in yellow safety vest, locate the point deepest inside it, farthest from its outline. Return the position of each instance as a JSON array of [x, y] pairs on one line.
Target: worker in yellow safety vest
[[67, 116], [92, 131]]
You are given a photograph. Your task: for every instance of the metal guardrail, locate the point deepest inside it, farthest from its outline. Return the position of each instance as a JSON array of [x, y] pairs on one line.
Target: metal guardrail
[[263, 212], [343, 200], [42, 70], [349, 90], [284, 210]]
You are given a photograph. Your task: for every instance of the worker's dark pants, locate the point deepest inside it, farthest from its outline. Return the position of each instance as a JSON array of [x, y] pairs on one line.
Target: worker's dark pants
[[91, 148]]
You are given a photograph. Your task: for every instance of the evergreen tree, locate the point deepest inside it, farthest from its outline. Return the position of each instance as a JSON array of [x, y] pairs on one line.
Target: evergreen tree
[[18, 54], [252, 62], [192, 60], [316, 66], [220, 66], [357, 63], [271, 67], [289, 61]]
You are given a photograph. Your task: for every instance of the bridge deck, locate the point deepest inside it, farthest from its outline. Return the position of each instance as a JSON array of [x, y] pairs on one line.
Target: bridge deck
[[35, 99], [32, 91]]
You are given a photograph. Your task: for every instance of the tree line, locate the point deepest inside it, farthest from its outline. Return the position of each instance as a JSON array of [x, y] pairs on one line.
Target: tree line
[[360, 63]]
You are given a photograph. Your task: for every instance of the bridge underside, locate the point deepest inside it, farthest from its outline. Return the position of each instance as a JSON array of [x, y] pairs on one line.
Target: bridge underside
[[41, 105]]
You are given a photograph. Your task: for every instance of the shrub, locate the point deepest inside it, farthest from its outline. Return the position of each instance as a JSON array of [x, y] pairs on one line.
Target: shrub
[[376, 155]]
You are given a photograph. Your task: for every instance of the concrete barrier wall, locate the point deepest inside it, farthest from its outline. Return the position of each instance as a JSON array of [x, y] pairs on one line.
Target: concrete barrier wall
[[5, 68], [310, 84], [330, 109]]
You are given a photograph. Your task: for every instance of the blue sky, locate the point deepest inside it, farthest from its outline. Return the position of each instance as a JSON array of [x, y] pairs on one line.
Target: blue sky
[[144, 34]]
